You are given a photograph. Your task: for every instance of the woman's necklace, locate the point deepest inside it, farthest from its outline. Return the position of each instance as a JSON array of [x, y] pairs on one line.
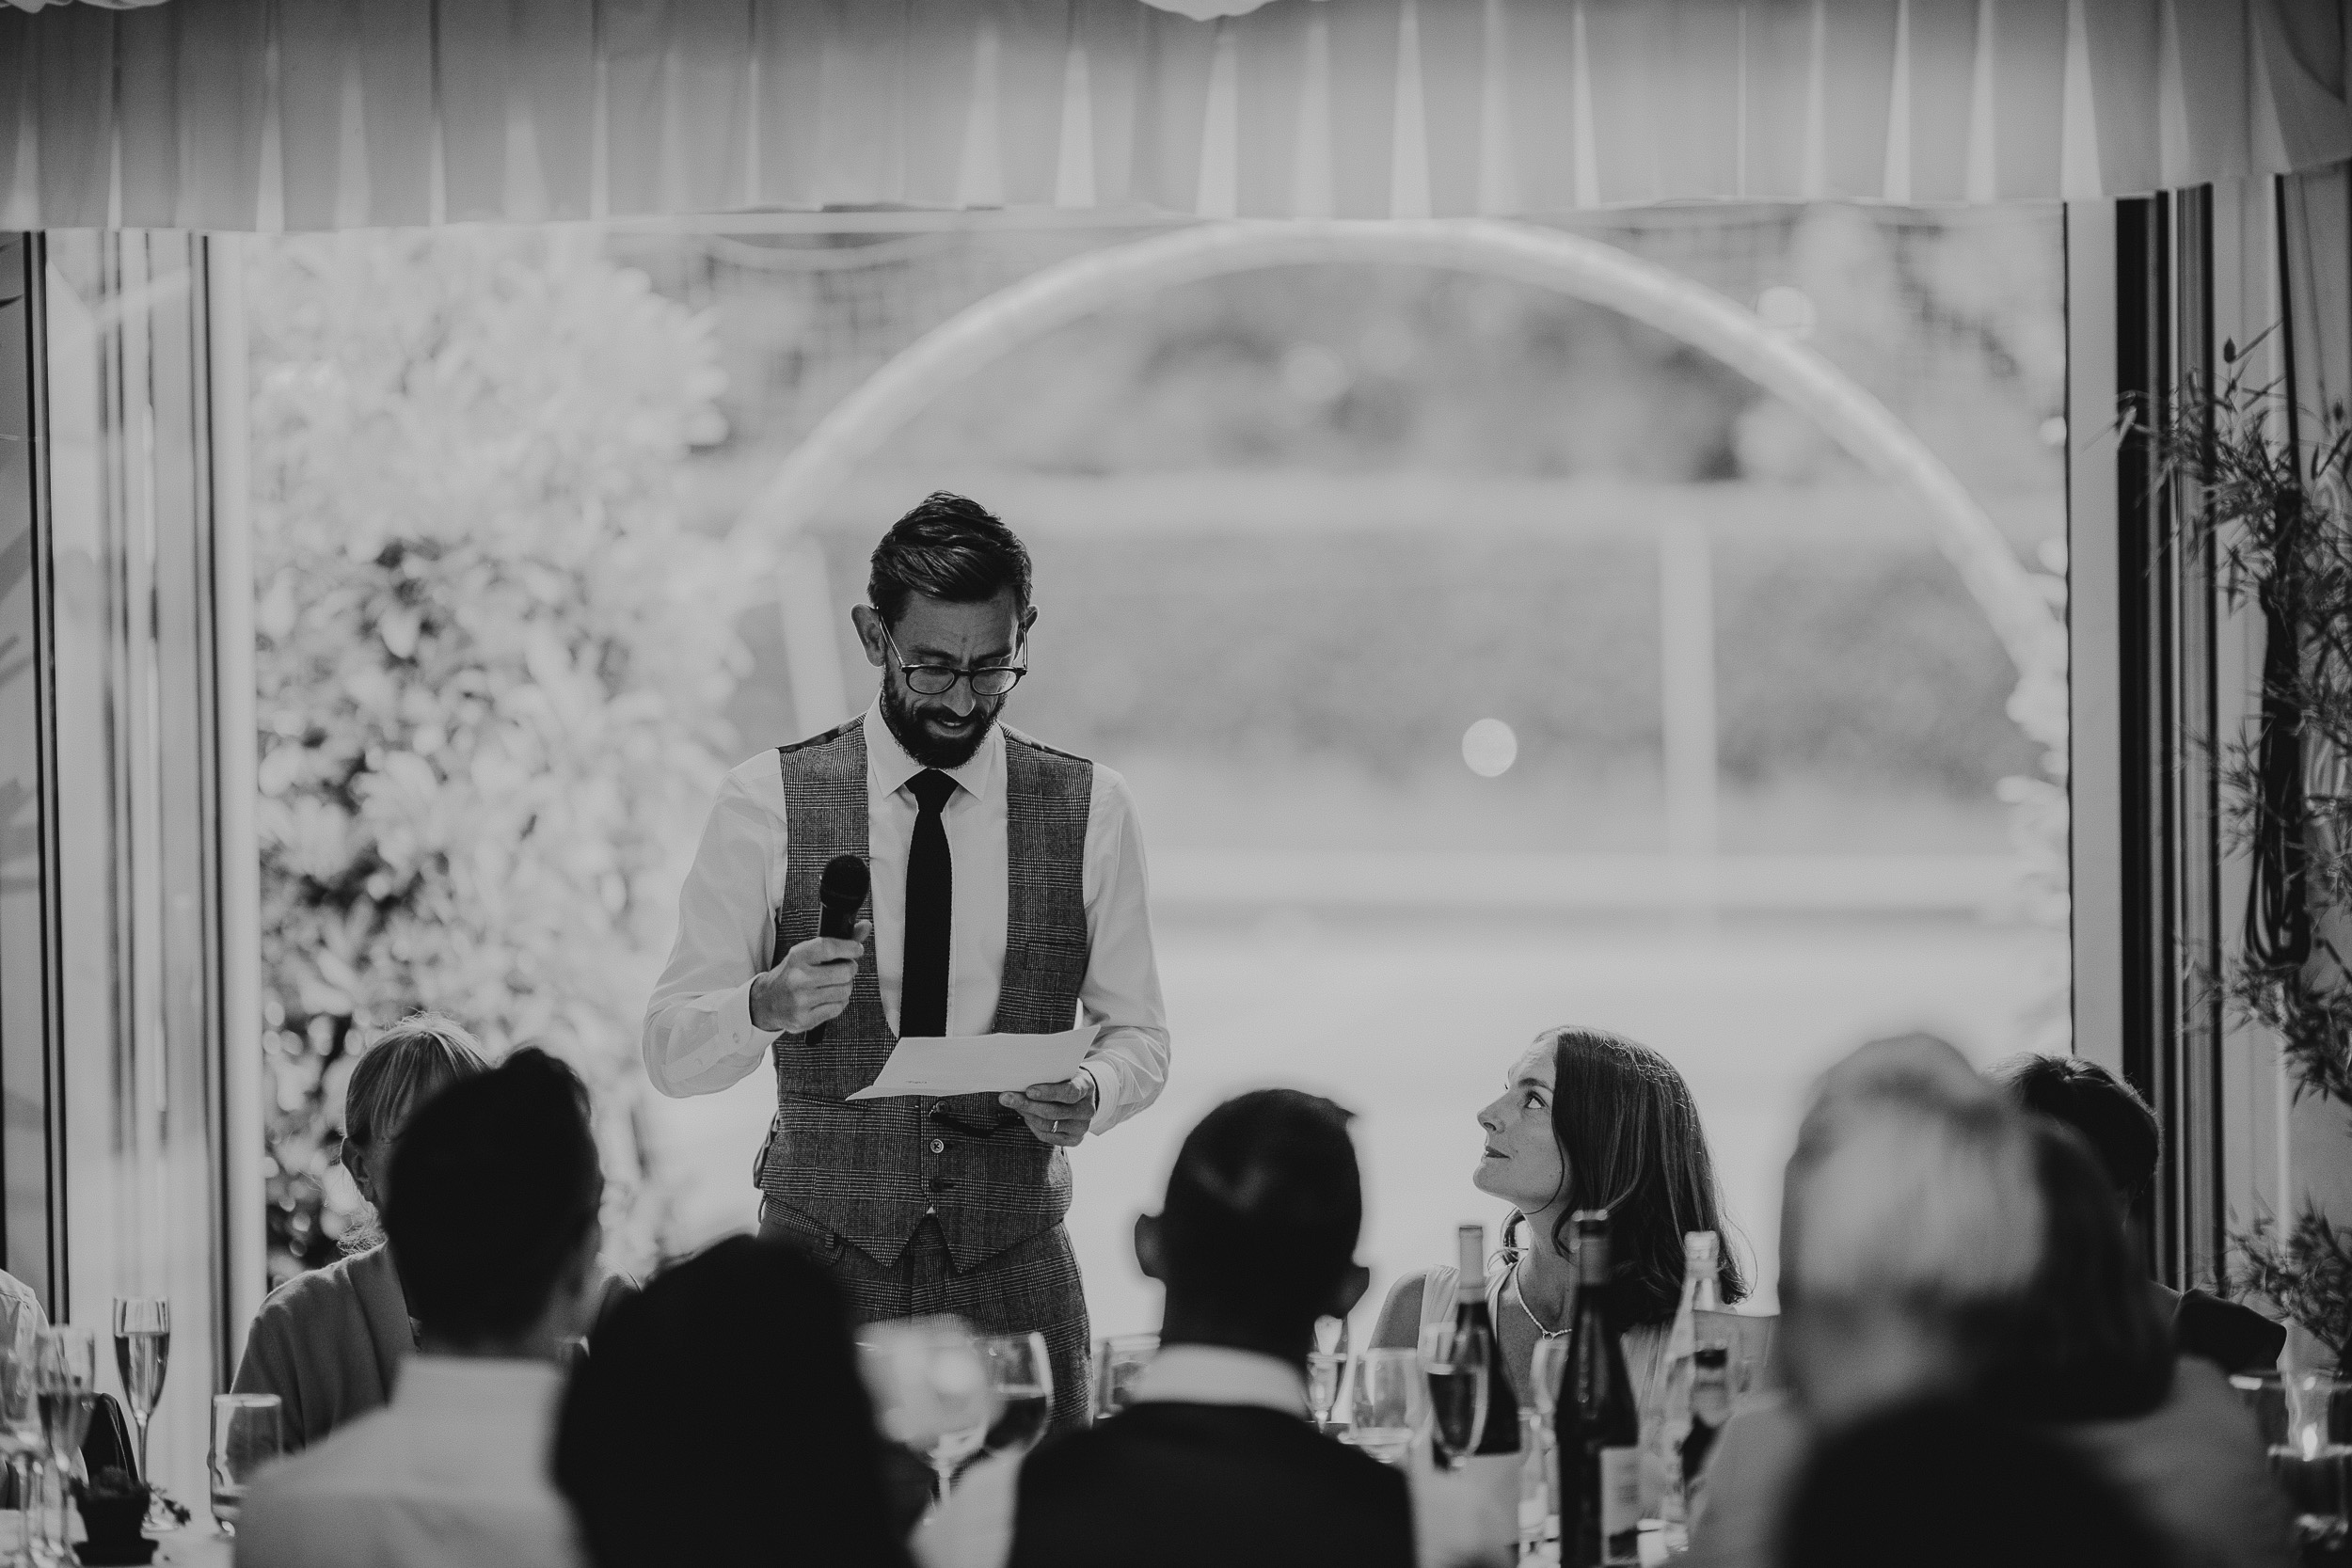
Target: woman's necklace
[[1547, 1333]]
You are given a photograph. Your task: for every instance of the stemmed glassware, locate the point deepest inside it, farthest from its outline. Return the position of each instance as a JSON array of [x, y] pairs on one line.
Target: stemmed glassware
[[1455, 1366], [20, 1435], [1118, 1367], [1022, 1376], [1327, 1369], [958, 1383], [1385, 1407], [245, 1436], [142, 1352], [65, 1383], [1547, 1370], [931, 1391]]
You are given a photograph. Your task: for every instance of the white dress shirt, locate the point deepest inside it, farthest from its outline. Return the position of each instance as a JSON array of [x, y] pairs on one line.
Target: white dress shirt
[[454, 1473], [699, 1035]]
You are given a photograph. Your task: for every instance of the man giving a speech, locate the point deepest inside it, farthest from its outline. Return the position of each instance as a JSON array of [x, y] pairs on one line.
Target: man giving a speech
[[1008, 894]]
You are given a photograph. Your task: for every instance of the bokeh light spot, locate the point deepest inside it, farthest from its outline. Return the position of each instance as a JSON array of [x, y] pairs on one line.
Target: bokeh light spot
[[1490, 748]]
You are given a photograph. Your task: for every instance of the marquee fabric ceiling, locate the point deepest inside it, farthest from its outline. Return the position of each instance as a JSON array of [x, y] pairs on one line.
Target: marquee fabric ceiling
[[323, 114]]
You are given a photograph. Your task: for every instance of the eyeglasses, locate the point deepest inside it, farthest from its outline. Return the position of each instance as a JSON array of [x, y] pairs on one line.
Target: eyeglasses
[[937, 680]]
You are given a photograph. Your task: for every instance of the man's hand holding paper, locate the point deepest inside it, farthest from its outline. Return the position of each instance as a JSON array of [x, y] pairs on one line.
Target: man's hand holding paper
[[1037, 1076], [1059, 1114]]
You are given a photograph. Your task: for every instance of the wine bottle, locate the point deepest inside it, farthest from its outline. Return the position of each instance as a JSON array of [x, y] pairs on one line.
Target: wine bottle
[[1599, 1433], [1500, 1434], [1460, 1392], [1700, 1273]]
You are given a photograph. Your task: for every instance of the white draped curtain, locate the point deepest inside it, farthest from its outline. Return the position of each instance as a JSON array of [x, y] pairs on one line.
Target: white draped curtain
[[232, 115]]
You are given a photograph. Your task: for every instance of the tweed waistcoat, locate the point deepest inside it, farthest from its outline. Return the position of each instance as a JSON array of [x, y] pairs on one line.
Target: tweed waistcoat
[[868, 1171]]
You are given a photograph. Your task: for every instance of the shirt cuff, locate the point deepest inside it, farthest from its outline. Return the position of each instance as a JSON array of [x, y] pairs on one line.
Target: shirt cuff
[[1105, 1111], [736, 1011]]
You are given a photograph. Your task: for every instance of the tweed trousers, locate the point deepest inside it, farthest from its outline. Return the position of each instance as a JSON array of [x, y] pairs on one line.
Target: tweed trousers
[[1032, 1286]]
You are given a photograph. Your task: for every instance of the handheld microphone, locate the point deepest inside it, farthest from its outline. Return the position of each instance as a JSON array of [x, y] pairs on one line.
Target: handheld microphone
[[840, 892]]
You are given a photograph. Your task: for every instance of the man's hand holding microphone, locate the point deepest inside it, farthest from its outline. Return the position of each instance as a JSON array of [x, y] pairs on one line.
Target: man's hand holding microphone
[[812, 985]]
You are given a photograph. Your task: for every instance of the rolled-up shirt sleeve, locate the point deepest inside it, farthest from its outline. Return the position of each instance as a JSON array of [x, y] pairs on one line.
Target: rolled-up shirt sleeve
[[699, 1036], [1122, 993]]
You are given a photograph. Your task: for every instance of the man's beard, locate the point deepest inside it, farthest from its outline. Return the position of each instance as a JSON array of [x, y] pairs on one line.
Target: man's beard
[[934, 751]]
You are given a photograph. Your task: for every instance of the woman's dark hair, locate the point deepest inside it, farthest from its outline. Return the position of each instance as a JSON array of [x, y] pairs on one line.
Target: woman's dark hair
[[1944, 1484], [2107, 1112], [1630, 1143], [2088, 1341], [496, 1183], [721, 1415], [951, 549]]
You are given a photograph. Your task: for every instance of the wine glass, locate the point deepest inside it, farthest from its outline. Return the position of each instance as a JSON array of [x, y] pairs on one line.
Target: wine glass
[[1384, 1411], [1326, 1368], [65, 1382], [1547, 1370], [1022, 1376], [931, 1389], [142, 1351], [1455, 1365], [1118, 1365], [245, 1438]]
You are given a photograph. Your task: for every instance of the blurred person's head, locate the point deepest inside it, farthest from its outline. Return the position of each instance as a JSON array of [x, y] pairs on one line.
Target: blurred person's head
[[2089, 1341], [1946, 1484], [949, 586], [1912, 1227], [1916, 1063], [1257, 1238], [2107, 1112], [724, 1399], [493, 1211], [1588, 1119], [407, 1065]]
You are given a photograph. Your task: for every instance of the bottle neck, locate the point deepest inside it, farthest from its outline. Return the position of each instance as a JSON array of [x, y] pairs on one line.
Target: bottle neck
[[1592, 1260]]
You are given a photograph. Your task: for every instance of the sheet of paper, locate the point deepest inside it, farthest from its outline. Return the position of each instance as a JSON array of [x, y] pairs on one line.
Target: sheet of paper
[[978, 1064]]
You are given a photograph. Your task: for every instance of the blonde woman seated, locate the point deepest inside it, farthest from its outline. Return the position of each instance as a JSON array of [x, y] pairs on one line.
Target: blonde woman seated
[[1589, 1119], [329, 1342]]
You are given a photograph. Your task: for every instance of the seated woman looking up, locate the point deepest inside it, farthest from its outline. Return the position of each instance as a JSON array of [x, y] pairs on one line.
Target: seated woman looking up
[[328, 1342], [1587, 1120]]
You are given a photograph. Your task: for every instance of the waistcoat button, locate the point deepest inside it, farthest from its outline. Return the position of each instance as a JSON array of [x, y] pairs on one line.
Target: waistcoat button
[[938, 1146]]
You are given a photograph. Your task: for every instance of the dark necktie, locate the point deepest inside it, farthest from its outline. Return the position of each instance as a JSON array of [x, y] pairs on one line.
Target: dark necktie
[[930, 910]]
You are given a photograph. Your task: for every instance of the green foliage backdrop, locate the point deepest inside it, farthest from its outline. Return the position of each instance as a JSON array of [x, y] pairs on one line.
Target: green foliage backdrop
[[490, 660]]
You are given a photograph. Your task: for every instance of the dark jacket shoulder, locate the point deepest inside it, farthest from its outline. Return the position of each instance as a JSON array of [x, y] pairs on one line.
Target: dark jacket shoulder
[[2234, 1337], [1236, 1485]]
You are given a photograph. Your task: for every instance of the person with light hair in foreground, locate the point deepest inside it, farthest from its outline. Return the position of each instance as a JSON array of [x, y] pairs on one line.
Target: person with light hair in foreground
[[329, 1343], [1938, 1243]]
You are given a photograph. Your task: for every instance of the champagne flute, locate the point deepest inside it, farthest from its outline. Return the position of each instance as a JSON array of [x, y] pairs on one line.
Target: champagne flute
[[1384, 1405], [1022, 1375], [1326, 1368], [1455, 1365], [245, 1438], [65, 1382], [142, 1352]]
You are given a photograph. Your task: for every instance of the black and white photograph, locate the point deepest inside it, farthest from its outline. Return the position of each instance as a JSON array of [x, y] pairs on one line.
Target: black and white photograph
[[1176, 784]]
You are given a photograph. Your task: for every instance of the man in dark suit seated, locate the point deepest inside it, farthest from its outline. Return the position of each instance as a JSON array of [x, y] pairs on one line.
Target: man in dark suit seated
[[1215, 1461], [2122, 1131]]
